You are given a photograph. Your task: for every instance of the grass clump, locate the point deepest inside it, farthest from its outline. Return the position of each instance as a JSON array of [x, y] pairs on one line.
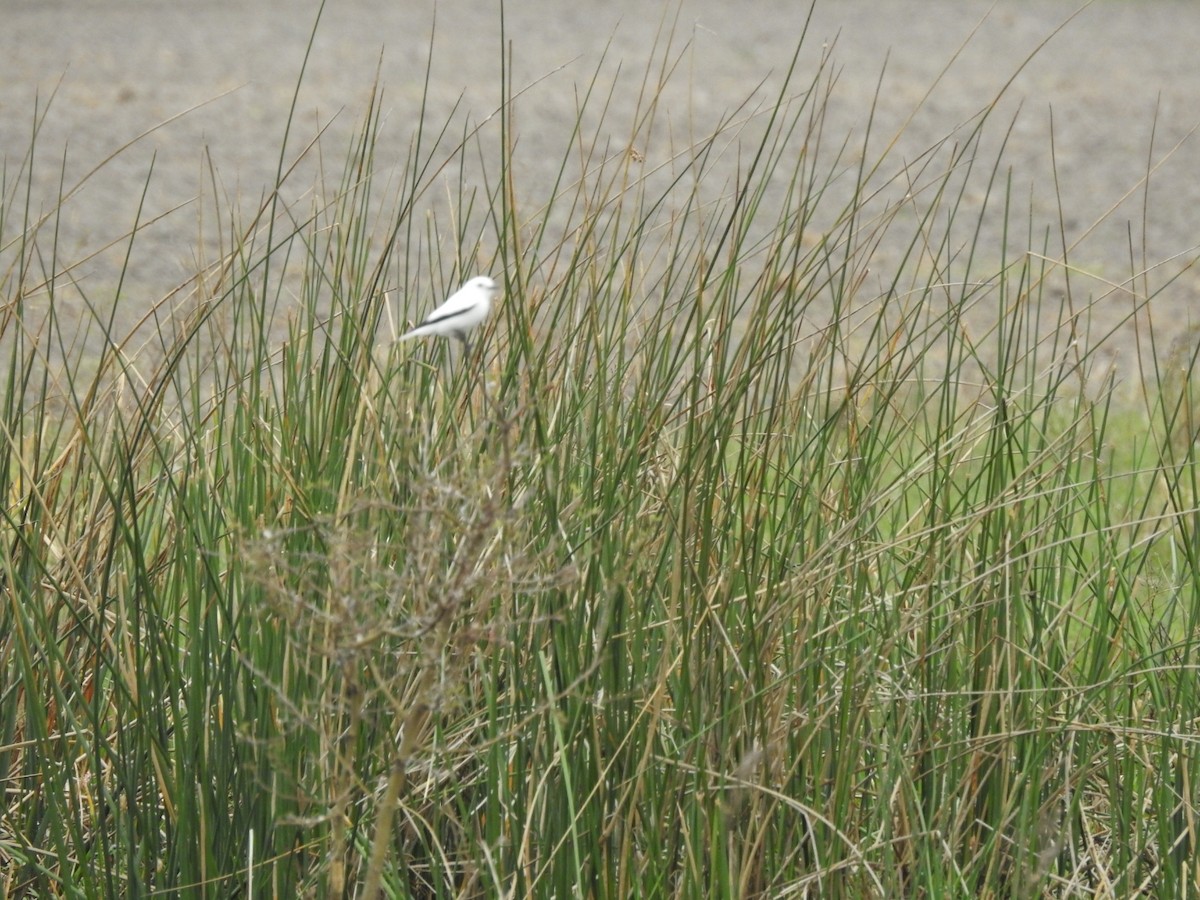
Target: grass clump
[[727, 565]]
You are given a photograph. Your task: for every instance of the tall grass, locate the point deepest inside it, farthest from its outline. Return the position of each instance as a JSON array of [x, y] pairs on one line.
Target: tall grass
[[728, 564]]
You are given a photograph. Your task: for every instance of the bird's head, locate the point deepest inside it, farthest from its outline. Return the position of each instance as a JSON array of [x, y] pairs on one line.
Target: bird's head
[[484, 285]]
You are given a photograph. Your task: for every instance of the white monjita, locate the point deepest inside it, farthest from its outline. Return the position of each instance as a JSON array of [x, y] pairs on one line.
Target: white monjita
[[462, 312]]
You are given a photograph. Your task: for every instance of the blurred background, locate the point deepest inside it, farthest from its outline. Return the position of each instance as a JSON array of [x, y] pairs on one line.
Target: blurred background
[[196, 98]]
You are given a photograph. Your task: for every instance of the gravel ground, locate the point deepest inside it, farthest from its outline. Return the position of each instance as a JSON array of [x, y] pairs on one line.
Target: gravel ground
[[1117, 74]]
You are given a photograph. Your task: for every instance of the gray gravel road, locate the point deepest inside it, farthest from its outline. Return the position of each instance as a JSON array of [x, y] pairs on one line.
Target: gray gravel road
[[1118, 72]]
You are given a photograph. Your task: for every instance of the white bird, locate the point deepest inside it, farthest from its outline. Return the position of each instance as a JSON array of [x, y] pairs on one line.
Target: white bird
[[462, 312]]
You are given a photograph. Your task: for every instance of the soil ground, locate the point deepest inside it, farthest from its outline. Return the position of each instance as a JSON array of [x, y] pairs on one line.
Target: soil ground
[[1119, 86]]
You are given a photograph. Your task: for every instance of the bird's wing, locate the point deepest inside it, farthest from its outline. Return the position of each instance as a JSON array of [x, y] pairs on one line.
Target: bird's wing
[[460, 301]]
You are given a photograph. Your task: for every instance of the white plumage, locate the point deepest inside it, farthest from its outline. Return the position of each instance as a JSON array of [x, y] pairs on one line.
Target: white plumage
[[462, 312]]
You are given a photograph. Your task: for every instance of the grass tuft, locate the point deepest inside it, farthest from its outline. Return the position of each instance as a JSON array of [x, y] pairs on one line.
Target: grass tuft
[[782, 537]]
